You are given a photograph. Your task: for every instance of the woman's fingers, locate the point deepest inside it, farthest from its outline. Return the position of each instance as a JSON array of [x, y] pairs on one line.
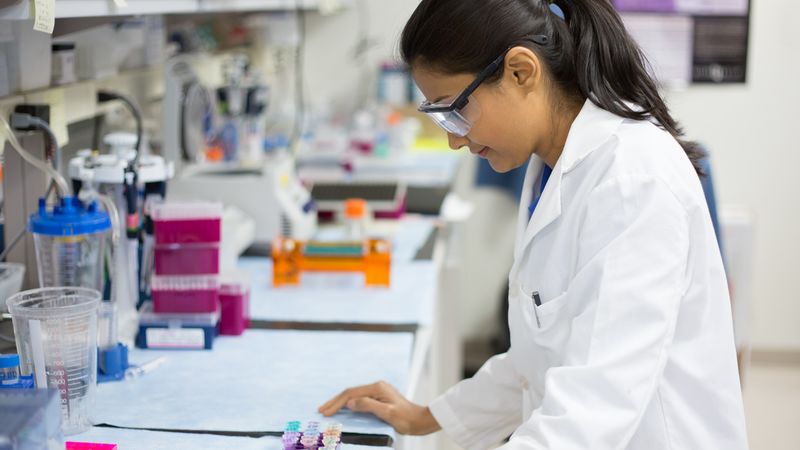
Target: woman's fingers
[[385, 402], [369, 405], [333, 405]]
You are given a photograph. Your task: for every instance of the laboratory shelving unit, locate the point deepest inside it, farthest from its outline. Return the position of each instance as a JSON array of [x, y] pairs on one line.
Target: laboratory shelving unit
[[65, 9]]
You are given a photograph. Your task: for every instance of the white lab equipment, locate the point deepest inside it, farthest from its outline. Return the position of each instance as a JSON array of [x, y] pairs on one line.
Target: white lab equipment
[[56, 335], [619, 312], [270, 193], [108, 174], [187, 106], [100, 169]]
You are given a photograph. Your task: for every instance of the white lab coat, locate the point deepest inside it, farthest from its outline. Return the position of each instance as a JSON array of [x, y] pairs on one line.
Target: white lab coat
[[634, 347]]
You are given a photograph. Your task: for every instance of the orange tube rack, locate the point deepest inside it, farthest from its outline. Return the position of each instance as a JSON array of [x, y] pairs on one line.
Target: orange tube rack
[[290, 258]]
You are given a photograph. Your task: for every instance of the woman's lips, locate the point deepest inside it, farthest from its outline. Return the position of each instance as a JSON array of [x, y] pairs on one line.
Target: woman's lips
[[482, 153]]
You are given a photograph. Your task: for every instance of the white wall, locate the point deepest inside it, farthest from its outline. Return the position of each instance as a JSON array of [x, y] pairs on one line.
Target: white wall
[[752, 131], [331, 71]]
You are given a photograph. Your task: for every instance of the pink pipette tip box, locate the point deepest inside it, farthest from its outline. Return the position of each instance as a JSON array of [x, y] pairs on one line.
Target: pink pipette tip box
[[187, 223], [190, 294]]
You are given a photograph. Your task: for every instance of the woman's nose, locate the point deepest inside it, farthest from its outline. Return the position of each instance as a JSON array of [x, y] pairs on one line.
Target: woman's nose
[[456, 142]]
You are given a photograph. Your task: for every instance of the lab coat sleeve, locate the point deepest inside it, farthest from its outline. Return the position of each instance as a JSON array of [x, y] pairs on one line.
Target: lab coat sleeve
[[632, 255], [483, 410]]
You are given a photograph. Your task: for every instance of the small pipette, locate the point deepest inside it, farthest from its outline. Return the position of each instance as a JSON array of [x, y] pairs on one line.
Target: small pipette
[[137, 371]]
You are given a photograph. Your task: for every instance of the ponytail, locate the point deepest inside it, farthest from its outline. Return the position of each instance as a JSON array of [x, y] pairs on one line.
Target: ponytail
[[611, 69], [590, 53]]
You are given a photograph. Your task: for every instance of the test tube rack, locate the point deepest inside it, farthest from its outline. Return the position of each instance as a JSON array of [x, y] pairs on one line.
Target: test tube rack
[[291, 257]]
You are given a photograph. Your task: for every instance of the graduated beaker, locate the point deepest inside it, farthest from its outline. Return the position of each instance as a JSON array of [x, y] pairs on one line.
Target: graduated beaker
[[56, 334]]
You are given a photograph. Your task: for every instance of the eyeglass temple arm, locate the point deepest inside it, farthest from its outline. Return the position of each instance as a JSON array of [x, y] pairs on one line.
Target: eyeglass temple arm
[[463, 99]]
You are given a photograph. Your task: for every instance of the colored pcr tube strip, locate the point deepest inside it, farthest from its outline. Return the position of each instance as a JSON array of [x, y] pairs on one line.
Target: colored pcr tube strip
[[311, 438]]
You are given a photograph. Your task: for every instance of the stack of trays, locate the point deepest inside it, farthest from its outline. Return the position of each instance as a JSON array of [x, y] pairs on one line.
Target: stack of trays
[[186, 285]]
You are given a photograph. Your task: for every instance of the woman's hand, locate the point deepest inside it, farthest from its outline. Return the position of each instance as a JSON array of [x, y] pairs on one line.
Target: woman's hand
[[383, 400]]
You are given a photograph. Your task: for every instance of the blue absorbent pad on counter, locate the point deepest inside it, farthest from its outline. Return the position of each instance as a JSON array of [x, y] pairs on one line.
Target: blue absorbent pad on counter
[[410, 300], [257, 382]]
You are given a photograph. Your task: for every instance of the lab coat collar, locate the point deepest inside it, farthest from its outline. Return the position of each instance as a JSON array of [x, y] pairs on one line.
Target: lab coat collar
[[592, 128]]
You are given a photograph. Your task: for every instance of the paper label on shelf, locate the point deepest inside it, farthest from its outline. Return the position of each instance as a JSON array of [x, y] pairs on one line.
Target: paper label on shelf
[[44, 15], [175, 338]]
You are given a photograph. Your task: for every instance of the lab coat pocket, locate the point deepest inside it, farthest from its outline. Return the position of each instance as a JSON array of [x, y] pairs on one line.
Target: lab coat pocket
[[543, 315], [549, 328]]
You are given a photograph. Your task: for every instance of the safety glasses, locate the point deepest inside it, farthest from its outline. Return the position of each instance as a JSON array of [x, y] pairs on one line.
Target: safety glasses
[[457, 116]]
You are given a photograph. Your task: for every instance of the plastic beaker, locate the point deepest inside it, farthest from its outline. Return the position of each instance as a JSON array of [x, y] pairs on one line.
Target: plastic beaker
[[70, 241], [56, 333]]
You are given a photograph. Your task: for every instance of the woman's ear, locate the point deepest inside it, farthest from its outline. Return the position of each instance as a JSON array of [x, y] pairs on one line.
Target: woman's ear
[[523, 68]]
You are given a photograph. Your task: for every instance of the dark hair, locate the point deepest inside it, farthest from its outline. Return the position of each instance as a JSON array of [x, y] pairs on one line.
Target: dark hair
[[590, 54]]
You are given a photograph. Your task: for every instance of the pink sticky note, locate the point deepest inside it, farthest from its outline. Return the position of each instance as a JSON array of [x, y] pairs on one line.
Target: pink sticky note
[[90, 446]]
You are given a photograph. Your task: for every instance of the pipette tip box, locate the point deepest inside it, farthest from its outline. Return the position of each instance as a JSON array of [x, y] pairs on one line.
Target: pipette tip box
[[186, 294], [187, 259], [176, 330], [185, 223]]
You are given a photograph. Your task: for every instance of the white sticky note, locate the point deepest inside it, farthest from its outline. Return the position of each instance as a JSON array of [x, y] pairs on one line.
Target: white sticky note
[[44, 13]]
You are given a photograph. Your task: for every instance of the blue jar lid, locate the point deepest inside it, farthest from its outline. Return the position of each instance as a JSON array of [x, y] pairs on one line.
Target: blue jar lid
[[69, 218], [9, 361]]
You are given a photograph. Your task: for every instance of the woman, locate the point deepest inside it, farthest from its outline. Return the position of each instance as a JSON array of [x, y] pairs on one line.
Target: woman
[[621, 334]]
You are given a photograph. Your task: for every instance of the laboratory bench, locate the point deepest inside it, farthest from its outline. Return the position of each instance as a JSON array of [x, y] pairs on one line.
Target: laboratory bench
[[343, 303], [306, 344], [252, 385], [130, 439]]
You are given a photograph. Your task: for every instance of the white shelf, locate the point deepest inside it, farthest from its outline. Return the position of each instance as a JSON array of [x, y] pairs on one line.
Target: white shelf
[[255, 5], [21, 9], [95, 8]]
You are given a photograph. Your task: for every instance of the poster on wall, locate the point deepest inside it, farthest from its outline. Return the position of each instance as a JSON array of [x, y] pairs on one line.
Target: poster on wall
[[667, 43], [691, 41]]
